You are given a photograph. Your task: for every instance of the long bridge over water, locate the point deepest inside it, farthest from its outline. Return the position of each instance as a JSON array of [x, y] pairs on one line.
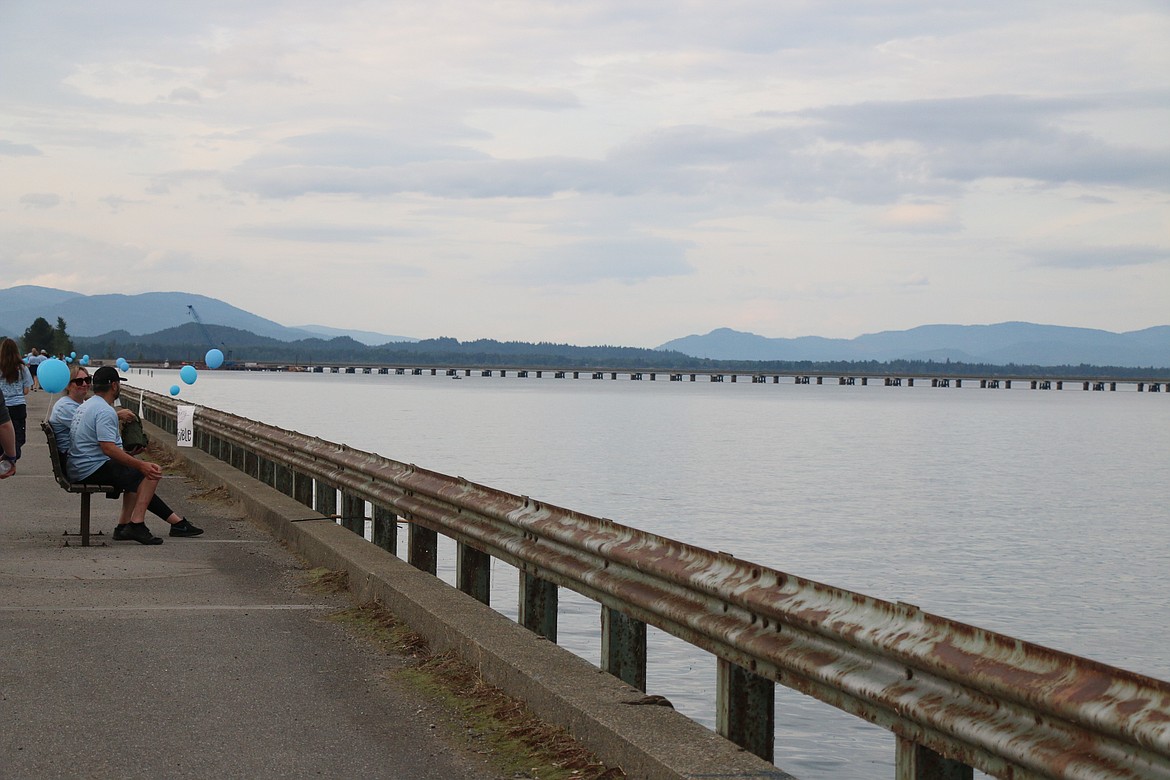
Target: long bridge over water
[[1096, 383]]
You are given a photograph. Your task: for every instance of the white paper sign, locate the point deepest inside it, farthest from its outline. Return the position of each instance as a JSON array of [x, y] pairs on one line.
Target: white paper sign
[[185, 428]]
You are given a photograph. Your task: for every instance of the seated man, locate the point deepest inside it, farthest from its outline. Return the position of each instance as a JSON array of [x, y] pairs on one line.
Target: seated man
[[61, 417], [96, 457]]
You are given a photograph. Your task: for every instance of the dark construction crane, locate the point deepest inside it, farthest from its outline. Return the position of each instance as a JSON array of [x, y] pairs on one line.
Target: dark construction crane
[[206, 333]]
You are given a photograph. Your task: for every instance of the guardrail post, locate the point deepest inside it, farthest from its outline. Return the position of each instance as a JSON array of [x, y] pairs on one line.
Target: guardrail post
[[282, 478], [265, 470], [473, 569], [422, 548], [386, 529], [915, 762], [300, 486], [538, 606], [623, 647], [745, 709], [251, 463], [325, 499], [353, 513]]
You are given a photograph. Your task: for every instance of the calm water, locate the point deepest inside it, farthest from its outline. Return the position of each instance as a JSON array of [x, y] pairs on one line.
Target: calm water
[[1042, 515]]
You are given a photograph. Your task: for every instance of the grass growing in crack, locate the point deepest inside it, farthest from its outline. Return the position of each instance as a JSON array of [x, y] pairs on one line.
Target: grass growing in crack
[[522, 743], [322, 580], [502, 727], [170, 463]]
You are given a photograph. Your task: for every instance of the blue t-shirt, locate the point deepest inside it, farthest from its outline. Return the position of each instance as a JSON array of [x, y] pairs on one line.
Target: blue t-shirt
[[61, 419], [94, 422], [14, 391]]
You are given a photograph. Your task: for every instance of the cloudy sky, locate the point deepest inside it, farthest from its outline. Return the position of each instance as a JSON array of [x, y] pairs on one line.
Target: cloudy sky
[[597, 171]]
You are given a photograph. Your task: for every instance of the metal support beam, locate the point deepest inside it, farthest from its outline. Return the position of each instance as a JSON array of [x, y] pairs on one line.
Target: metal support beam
[[85, 519], [422, 548], [302, 488], [325, 498], [745, 709], [353, 513], [623, 647], [915, 762], [538, 606], [386, 529], [251, 464], [282, 479], [265, 471], [473, 570]]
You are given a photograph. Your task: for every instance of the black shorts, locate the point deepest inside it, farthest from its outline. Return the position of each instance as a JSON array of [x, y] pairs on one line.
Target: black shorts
[[122, 477]]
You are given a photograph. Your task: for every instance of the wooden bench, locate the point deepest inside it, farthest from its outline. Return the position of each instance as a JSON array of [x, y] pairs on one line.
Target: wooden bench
[[74, 487]]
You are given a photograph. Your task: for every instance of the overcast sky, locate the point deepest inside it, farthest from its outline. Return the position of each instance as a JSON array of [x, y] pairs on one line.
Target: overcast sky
[[595, 172]]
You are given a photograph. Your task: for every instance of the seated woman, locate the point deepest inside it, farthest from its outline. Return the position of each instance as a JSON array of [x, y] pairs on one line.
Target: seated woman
[[61, 417]]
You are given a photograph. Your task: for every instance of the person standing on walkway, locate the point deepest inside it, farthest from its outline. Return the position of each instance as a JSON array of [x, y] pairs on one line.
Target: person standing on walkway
[[15, 383], [7, 443], [96, 457]]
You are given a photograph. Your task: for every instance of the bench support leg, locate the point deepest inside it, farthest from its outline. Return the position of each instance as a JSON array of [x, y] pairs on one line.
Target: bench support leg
[[85, 519]]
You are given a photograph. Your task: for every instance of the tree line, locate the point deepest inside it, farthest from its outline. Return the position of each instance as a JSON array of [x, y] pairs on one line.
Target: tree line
[[186, 343], [43, 336]]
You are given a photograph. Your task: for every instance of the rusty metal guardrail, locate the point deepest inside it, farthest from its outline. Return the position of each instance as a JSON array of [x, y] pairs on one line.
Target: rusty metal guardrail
[[955, 695]]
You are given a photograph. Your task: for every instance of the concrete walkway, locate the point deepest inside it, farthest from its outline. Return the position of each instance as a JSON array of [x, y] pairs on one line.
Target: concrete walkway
[[200, 657]]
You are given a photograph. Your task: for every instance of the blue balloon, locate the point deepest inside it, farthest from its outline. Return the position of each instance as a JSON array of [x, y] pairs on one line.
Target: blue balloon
[[174, 389], [213, 358], [122, 364], [84, 360], [188, 374], [68, 359], [54, 375], [72, 354]]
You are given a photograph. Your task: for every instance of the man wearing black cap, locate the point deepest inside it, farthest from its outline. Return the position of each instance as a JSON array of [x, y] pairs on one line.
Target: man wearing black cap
[[96, 457]]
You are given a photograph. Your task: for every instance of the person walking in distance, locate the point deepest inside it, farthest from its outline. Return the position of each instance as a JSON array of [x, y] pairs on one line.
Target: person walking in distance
[[96, 457]]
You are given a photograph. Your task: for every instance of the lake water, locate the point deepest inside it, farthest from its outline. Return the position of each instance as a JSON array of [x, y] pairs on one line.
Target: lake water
[[1038, 514]]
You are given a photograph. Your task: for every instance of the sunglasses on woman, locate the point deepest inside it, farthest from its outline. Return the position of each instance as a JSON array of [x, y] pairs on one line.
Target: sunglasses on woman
[[82, 381]]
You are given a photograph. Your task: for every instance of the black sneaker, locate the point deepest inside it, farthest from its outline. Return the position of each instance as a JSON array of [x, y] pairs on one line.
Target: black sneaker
[[184, 528], [122, 532], [141, 534]]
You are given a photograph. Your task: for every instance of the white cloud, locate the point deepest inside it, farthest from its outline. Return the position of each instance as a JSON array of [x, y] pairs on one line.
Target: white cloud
[[628, 260], [40, 200], [1079, 258], [700, 163], [18, 150]]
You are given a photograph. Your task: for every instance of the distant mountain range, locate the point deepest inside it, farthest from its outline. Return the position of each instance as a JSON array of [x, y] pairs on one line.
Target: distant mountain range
[[97, 315], [165, 319], [1021, 343]]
